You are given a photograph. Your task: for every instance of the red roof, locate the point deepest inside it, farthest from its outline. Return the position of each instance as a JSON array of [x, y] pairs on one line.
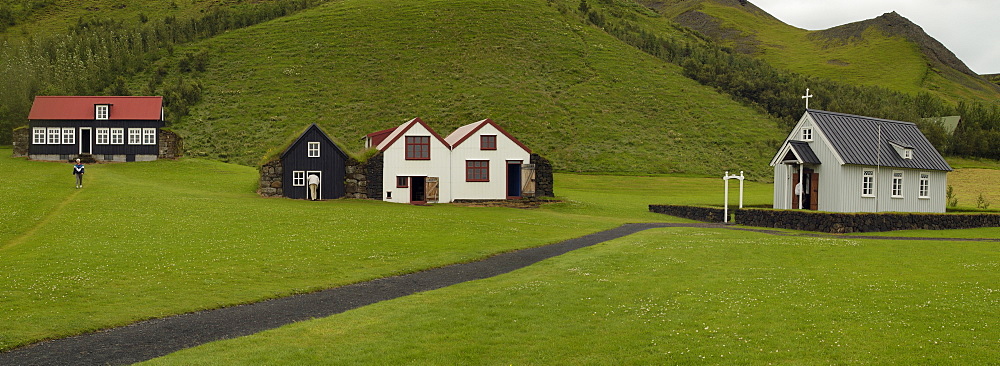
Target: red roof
[[378, 137], [463, 133], [82, 108]]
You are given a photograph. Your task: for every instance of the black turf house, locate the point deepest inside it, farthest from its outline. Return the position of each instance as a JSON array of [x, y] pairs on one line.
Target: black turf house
[[313, 152]]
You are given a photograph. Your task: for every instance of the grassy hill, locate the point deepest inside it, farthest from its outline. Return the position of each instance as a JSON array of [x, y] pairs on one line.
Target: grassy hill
[[888, 51], [568, 90]]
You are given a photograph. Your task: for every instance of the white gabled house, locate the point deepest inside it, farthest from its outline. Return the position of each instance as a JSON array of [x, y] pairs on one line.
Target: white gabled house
[[849, 163], [487, 162], [479, 161], [416, 163]]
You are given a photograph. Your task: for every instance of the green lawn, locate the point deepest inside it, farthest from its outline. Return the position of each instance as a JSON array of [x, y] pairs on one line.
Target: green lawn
[[674, 296]]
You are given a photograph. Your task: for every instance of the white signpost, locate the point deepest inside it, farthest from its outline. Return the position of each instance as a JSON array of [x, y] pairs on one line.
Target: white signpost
[[726, 178]]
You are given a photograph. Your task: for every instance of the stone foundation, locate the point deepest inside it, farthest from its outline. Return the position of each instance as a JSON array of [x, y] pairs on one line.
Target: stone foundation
[[270, 179]]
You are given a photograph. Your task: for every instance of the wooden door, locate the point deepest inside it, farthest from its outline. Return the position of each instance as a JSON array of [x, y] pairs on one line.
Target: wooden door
[[432, 188], [814, 191], [528, 180]]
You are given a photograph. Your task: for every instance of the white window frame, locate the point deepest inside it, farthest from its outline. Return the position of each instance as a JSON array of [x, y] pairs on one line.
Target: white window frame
[[117, 136], [54, 136], [299, 178], [868, 183], [149, 136], [807, 134], [313, 149], [897, 184], [924, 187], [68, 135], [102, 136], [135, 136], [38, 135], [907, 153], [102, 111]]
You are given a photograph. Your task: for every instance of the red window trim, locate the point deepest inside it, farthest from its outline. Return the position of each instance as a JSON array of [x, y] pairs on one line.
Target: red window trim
[[413, 142], [405, 180], [483, 145], [483, 171]]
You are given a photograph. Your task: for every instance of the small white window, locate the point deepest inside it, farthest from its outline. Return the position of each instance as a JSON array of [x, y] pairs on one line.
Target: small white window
[[313, 149], [897, 184], [101, 111], [807, 133], [924, 189], [134, 136], [299, 178], [69, 136], [908, 154], [102, 136], [149, 136], [54, 134], [117, 136], [868, 183], [38, 135]]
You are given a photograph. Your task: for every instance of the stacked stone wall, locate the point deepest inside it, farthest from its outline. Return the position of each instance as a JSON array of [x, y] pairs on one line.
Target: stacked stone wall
[[544, 183], [831, 222], [373, 169], [21, 138], [270, 179], [170, 145]]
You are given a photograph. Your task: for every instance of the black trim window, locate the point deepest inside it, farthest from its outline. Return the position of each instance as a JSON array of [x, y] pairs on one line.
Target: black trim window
[[418, 147], [149, 136], [101, 111], [402, 182], [313, 149], [135, 136], [102, 136], [477, 170], [54, 135], [117, 136], [38, 135], [488, 142], [68, 135]]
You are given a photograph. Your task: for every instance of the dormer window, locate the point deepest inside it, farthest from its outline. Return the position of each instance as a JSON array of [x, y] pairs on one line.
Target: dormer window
[[904, 151], [101, 111], [908, 154], [807, 134]]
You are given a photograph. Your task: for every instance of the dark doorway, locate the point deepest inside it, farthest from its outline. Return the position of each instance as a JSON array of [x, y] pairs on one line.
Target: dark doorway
[[85, 141], [810, 190], [513, 179], [418, 192]]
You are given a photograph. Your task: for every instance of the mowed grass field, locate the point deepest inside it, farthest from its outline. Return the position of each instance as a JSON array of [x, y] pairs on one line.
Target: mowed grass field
[[674, 296], [152, 239], [145, 240]]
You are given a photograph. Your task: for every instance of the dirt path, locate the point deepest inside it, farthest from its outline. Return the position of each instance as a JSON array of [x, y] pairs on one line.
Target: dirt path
[[154, 338]]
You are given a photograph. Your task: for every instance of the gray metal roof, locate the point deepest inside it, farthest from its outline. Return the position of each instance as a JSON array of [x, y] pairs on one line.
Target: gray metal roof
[[804, 152], [856, 140]]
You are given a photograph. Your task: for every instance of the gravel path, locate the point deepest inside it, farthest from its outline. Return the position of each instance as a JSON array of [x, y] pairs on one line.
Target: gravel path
[[153, 338]]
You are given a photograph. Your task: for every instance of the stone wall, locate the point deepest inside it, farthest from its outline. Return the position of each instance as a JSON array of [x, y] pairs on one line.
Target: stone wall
[[364, 179], [706, 214], [270, 179], [831, 222], [544, 182], [171, 145], [21, 138]]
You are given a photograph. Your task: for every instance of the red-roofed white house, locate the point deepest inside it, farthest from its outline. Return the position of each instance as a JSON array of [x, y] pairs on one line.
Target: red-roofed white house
[[416, 165], [486, 162], [106, 128], [479, 161]]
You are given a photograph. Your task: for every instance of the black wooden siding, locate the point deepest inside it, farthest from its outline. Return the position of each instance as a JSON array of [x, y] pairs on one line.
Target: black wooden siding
[[331, 161], [73, 149]]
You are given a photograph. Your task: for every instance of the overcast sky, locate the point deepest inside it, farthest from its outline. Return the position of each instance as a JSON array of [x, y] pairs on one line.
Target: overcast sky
[[969, 28]]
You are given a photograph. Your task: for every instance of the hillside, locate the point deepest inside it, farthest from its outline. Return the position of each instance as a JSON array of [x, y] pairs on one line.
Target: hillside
[[568, 90], [888, 51]]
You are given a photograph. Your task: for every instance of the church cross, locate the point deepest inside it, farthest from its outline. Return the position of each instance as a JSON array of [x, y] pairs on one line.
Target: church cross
[[806, 97]]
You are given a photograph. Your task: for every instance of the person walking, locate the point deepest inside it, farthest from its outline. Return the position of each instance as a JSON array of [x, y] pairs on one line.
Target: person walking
[[313, 186], [78, 171]]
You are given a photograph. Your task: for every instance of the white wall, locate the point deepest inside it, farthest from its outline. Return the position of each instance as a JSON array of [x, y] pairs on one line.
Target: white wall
[[395, 164], [469, 149]]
